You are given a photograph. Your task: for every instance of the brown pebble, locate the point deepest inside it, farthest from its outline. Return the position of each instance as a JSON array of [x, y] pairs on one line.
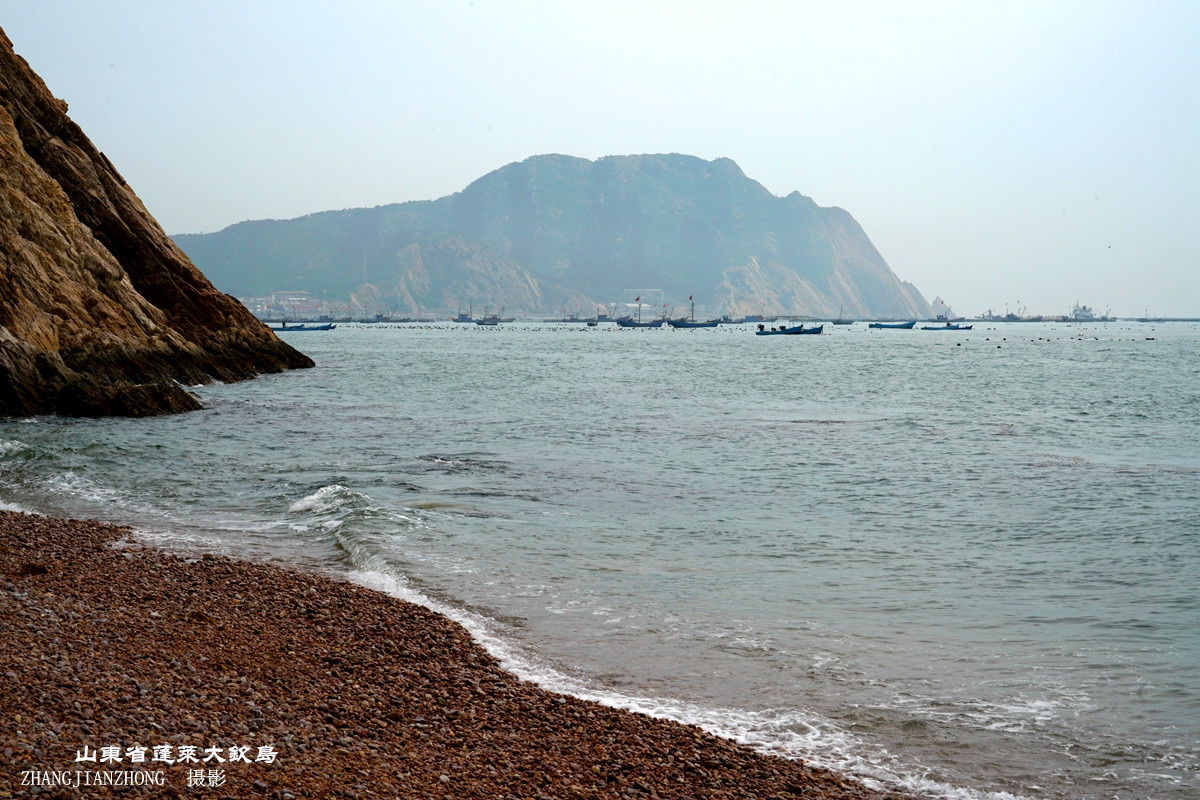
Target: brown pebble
[[385, 698]]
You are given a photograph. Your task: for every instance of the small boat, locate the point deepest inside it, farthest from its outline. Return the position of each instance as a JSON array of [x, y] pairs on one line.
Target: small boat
[[328, 326], [491, 319], [841, 319], [629, 322], [949, 326], [690, 322], [795, 330], [896, 325]]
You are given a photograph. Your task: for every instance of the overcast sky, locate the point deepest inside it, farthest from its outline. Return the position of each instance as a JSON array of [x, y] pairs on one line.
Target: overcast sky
[[999, 154]]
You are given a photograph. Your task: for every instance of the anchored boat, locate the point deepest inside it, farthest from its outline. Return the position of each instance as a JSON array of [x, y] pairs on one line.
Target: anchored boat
[[629, 322], [691, 321], [795, 330], [328, 326]]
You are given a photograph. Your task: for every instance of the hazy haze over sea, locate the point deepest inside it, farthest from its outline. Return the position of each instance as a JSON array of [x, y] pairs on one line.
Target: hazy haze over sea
[[963, 563]]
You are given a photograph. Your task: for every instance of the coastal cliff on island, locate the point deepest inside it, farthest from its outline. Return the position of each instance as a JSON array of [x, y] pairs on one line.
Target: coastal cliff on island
[[556, 232], [100, 313]]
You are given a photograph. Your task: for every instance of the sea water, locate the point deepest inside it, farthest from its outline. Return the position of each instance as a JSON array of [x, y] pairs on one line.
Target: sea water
[[962, 564]]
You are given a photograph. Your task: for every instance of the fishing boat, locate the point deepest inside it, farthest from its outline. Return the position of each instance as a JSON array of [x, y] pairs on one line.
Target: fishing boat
[[630, 322], [1086, 314], [493, 319], [841, 318], [487, 318], [896, 325], [949, 326], [794, 330], [728, 320], [691, 321], [328, 326]]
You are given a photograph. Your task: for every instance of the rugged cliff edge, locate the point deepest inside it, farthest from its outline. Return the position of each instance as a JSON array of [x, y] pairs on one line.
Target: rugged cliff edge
[[100, 312], [556, 232]]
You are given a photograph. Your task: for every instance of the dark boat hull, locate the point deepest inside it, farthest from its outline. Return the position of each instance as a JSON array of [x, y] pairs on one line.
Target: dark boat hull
[[797, 330], [894, 325], [326, 327], [628, 323]]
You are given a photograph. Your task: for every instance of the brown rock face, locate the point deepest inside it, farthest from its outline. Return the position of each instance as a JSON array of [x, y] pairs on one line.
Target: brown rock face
[[100, 313]]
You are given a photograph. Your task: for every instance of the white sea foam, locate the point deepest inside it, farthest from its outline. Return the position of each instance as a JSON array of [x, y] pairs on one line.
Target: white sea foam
[[326, 499], [116, 504], [864, 585], [789, 733], [1017, 714], [175, 540], [78, 486]]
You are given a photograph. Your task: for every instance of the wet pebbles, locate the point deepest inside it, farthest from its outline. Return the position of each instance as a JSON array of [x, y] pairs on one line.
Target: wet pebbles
[[105, 643]]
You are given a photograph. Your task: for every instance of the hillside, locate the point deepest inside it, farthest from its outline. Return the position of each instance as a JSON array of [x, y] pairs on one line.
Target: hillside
[[100, 312], [555, 233]]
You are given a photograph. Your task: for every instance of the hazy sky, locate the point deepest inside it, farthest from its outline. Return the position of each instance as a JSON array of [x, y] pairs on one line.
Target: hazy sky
[[998, 154]]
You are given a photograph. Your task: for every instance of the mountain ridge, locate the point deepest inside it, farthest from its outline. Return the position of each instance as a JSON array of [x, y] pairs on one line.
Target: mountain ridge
[[557, 232]]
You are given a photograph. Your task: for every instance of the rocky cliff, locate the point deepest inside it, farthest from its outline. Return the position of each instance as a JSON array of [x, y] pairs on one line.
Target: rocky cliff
[[100, 312], [555, 233]]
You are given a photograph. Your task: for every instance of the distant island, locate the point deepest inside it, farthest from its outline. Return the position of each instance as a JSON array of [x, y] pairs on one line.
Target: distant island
[[558, 235]]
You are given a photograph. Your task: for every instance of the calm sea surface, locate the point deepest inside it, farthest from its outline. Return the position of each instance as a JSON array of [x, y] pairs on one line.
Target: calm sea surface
[[959, 563]]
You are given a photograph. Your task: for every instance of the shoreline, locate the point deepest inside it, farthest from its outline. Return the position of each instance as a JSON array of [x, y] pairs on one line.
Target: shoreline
[[109, 643]]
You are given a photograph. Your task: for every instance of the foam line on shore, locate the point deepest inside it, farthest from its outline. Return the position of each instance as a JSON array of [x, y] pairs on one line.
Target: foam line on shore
[[115, 643], [784, 733]]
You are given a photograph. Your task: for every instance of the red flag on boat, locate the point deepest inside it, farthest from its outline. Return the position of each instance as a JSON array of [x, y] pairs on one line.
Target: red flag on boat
[[637, 299]]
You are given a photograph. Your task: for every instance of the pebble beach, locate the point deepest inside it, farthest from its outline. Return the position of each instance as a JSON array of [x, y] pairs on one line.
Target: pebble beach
[[132, 670]]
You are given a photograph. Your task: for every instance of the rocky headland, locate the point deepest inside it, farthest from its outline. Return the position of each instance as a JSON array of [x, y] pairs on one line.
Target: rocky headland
[[100, 312], [554, 233]]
